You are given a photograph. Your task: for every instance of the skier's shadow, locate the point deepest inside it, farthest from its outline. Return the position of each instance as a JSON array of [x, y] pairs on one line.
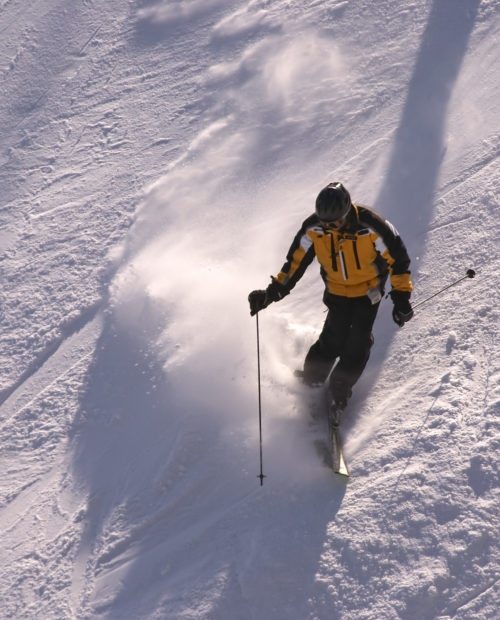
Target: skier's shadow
[[407, 193], [151, 516]]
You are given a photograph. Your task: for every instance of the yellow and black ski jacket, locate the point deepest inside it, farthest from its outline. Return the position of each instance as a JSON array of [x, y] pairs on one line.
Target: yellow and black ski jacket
[[351, 263]]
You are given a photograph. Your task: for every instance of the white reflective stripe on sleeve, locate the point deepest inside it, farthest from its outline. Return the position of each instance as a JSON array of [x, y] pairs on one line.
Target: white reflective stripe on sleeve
[[392, 228], [305, 242]]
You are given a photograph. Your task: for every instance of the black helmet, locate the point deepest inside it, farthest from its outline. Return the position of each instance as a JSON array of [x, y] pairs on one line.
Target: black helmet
[[333, 202]]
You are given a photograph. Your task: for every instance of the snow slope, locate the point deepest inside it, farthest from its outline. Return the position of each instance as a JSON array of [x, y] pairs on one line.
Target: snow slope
[[156, 159]]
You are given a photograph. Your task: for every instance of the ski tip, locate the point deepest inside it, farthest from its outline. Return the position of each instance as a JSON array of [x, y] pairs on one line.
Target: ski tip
[[342, 471], [341, 468]]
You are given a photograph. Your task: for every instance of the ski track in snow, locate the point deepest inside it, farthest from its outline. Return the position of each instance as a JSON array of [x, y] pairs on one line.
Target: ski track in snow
[[156, 160]]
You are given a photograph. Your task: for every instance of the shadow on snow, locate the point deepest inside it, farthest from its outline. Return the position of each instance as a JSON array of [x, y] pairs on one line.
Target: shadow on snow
[[175, 517], [407, 195]]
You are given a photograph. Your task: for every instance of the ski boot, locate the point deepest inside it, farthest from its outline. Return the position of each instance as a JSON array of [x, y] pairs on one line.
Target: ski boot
[[339, 394]]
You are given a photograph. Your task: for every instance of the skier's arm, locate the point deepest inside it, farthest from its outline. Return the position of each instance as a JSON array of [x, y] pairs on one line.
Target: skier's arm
[[299, 257], [398, 262], [396, 255]]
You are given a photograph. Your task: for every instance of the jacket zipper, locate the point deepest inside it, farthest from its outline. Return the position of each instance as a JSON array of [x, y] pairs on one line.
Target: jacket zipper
[[356, 257], [343, 265], [334, 256]]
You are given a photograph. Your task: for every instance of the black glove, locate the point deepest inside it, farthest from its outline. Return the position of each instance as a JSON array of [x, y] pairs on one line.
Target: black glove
[[402, 311], [260, 299], [257, 301]]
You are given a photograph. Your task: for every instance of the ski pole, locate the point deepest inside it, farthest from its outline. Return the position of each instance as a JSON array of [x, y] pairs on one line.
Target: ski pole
[[469, 274], [261, 475]]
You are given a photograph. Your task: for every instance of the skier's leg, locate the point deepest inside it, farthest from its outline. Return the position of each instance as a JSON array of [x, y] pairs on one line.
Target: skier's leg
[[356, 351], [317, 364], [323, 353]]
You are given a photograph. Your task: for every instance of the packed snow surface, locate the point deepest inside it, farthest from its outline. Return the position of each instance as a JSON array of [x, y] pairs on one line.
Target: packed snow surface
[[156, 159]]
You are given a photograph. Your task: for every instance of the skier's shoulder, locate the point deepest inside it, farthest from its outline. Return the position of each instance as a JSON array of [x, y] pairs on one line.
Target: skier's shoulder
[[311, 224], [367, 215], [369, 218]]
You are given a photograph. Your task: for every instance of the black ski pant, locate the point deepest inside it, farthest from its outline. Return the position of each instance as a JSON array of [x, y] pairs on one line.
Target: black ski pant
[[346, 337]]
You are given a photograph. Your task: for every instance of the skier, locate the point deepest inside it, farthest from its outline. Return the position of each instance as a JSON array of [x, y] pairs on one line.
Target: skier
[[343, 236]]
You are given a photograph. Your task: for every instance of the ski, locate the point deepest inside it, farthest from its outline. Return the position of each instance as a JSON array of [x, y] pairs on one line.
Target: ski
[[330, 452], [339, 465]]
